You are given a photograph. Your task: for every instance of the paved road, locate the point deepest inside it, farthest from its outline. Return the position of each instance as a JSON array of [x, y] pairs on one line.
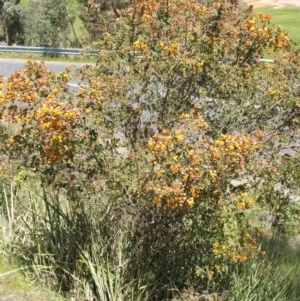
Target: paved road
[[7, 66]]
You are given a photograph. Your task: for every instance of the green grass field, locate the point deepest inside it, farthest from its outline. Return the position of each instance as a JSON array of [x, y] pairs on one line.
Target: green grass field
[[287, 18]]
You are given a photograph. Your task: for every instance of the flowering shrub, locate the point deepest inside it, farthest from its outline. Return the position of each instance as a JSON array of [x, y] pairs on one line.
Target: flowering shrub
[[131, 145], [189, 182], [165, 56], [41, 119]]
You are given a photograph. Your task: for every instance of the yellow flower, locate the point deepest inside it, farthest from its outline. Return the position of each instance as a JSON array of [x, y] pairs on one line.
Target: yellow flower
[[224, 248], [45, 109], [184, 116], [174, 46], [151, 143], [192, 190], [219, 142], [178, 135], [146, 17], [210, 275], [11, 140], [218, 268], [159, 173], [216, 249], [137, 43], [190, 202], [177, 132], [250, 202], [271, 91], [55, 91], [140, 45], [213, 174], [46, 125], [239, 206], [82, 90], [216, 5], [242, 257], [57, 138], [179, 138], [199, 64], [163, 146], [174, 168], [70, 115], [156, 201], [57, 112], [216, 245], [171, 203]]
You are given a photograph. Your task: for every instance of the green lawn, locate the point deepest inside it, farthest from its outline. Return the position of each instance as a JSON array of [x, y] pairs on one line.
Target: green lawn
[[287, 18]]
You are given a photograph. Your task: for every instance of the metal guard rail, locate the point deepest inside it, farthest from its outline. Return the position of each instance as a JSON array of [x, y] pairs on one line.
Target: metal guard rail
[[48, 50]]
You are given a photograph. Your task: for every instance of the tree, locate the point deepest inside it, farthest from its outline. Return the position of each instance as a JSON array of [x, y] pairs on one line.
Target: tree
[[99, 16], [51, 24], [11, 19]]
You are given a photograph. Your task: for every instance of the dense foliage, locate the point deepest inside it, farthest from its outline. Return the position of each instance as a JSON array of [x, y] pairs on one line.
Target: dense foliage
[[11, 21], [99, 17], [158, 173], [51, 25]]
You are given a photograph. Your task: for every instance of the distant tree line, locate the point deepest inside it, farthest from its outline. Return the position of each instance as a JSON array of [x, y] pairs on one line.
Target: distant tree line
[[43, 22], [11, 21], [51, 22]]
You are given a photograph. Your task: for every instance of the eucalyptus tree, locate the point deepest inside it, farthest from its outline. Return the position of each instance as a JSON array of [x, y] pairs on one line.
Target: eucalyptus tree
[[11, 21], [50, 25]]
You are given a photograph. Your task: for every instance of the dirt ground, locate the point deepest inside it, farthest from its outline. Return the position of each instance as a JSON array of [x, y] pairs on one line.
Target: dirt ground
[[273, 3]]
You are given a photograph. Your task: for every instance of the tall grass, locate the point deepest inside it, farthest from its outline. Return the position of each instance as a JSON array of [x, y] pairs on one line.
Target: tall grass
[[276, 277], [13, 280], [78, 248]]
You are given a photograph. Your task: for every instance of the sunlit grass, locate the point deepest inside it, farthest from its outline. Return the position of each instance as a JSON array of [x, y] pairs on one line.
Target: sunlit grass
[[13, 284], [287, 18]]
